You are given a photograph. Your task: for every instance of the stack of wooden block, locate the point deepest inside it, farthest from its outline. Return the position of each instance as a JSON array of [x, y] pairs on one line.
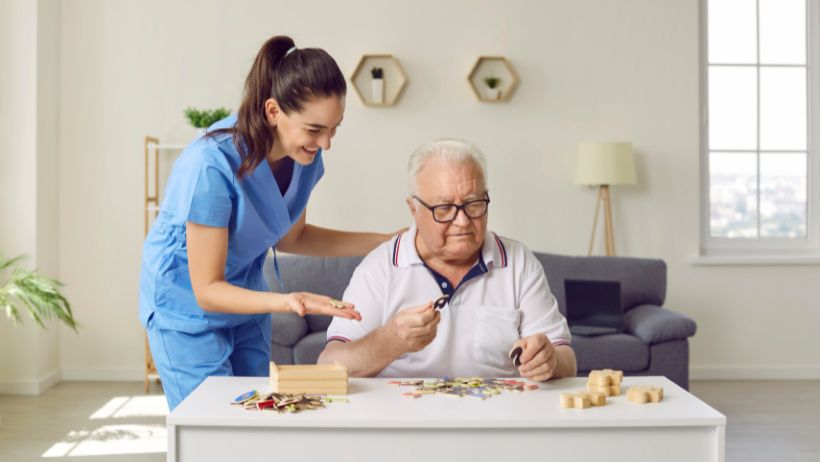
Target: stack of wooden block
[[323, 379], [606, 381]]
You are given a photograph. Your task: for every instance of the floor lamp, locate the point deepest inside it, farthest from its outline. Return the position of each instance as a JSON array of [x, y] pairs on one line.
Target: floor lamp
[[603, 165]]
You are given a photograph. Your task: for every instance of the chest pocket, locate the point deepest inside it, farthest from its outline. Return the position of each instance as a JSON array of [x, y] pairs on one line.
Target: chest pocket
[[496, 329]]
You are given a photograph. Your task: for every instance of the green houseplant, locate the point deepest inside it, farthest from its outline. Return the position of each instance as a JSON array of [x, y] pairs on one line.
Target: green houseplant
[[493, 92], [377, 85], [204, 118], [27, 290]]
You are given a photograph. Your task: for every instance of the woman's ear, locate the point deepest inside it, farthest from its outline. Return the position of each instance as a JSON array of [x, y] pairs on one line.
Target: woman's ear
[[271, 111]]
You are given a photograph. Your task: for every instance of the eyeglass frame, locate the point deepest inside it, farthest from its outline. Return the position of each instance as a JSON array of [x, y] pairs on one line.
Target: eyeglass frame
[[459, 208]]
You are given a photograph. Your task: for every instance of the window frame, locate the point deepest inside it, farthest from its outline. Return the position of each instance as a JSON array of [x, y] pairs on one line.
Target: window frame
[[810, 244]]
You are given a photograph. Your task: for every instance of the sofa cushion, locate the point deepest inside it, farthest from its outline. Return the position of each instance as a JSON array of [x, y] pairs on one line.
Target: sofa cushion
[[643, 280], [654, 324], [617, 351], [323, 276], [288, 328], [307, 350]]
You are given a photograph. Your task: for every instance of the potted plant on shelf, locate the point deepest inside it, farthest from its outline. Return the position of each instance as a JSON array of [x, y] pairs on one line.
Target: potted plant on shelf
[[30, 291], [377, 93], [201, 119], [492, 91]]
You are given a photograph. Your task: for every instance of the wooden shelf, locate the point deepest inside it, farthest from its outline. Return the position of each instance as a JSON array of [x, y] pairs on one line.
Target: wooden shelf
[[493, 66], [395, 80]]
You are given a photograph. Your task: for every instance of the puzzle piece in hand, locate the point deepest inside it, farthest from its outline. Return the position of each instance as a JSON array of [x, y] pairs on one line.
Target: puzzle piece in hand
[[582, 400], [644, 394], [441, 302], [515, 355]]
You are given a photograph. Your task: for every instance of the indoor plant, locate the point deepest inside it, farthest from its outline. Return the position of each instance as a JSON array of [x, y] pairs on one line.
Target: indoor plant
[[204, 118], [377, 94], [30, 291], [492, 90]]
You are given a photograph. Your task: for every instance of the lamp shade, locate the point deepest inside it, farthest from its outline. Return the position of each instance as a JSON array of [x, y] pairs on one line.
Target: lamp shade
[[605, 164]]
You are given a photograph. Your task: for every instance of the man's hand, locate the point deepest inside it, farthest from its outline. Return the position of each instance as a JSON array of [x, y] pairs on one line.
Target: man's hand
[[538, 360], [412, 329]]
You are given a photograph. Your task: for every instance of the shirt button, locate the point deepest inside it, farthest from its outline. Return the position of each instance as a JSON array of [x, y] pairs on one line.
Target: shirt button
[[444, 285]]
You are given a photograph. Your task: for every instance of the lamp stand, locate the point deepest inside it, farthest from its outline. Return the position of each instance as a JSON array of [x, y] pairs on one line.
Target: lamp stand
[[609, 240]]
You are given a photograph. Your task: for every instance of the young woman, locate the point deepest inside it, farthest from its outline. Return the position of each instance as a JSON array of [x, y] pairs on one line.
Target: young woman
[[232, 195]]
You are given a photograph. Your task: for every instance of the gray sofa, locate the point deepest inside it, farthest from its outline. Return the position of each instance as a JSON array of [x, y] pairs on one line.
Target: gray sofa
[[654, 341]]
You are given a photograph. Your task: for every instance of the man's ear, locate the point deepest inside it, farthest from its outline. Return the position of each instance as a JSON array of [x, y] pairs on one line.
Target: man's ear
[[272, 111], [411, 205]]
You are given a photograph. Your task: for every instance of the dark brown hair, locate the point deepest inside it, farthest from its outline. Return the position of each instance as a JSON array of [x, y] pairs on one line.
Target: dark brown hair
[[289, 75]]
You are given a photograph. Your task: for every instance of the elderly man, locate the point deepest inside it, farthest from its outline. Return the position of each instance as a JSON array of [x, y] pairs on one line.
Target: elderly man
[[498, 295]]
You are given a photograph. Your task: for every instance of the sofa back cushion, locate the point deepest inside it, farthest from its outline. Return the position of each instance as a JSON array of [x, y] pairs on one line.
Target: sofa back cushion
[[319, 275], [643, 280]]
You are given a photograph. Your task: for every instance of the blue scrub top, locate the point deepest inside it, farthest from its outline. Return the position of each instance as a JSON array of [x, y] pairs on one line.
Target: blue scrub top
[[203, 188]]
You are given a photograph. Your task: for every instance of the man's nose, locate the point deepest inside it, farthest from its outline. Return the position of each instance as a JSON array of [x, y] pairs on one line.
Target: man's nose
[[461, 218]]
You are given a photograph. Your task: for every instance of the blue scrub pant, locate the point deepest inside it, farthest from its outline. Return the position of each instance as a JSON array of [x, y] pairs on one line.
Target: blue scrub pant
[[184, 360]]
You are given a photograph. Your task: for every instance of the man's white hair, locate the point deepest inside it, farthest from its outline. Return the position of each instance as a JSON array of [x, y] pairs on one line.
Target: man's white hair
[[448, 149]]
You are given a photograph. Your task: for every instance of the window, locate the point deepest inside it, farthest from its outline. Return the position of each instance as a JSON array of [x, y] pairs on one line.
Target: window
[[760, 98]]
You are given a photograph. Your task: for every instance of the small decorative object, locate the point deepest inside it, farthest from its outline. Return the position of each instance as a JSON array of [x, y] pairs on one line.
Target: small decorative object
[[35, 293], [201, 119], [493, 92], [377, 88]]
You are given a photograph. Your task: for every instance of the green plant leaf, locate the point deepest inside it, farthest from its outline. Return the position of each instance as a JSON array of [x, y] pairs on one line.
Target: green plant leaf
[[38, 295]]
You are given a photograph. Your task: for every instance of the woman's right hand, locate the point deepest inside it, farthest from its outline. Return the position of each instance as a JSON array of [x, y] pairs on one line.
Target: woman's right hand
[[303, 303]]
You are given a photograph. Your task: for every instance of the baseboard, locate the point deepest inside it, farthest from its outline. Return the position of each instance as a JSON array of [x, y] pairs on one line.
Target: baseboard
[[103, 375], [30, 387], [754, 372]]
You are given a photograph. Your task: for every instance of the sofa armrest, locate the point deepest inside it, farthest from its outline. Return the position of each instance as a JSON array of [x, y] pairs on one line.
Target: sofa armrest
[[654, 324]]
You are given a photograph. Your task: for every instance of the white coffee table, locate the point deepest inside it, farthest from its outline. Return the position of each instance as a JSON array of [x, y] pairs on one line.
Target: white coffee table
[[378, 424]]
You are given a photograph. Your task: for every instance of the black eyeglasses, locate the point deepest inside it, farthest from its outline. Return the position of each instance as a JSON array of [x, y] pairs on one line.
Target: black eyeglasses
[[446, 213]]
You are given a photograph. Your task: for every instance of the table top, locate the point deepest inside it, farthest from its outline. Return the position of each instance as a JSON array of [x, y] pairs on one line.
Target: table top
[[375, 404]]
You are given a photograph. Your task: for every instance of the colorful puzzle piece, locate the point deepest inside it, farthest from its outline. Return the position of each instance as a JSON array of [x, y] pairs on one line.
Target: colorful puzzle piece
[[459, 387]]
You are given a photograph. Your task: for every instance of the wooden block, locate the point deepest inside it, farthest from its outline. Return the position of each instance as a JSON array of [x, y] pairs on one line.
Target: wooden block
[[644, 394], [606, 377], [581, 400], [607, 390], [330, 379]]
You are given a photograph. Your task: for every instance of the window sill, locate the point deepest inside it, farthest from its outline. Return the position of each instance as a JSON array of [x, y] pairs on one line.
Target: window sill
[[754, 260]]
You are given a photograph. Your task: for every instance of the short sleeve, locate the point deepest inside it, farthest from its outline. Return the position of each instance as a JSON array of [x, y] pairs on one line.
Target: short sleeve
[[539, 308], [211, 198], [366, 291]]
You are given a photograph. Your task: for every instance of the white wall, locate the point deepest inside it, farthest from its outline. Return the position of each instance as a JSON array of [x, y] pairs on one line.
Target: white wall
[[29, 51], [590, 70]]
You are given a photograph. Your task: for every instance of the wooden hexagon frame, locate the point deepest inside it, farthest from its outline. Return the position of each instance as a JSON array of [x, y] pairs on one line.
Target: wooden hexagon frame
[[395, 80], [493, 66]]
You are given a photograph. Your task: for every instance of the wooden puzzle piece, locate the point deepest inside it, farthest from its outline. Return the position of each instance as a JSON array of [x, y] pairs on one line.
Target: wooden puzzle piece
[[607, 390], [606, 377], [582, 400], [644, 394]]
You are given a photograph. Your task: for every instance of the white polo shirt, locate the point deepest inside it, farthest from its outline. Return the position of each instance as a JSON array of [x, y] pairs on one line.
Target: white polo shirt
[[504, 297]]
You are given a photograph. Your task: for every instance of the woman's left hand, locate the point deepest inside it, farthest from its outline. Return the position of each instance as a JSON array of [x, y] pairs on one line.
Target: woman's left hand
[[303, 303]]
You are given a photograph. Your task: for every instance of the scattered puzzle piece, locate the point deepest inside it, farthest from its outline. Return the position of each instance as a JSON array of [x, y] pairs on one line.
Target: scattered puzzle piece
[[582, 400], [459, 387], [644, 394]]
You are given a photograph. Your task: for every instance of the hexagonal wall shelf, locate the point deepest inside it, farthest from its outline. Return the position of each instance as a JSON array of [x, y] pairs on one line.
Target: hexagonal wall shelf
[[379, 80], [493, 79]]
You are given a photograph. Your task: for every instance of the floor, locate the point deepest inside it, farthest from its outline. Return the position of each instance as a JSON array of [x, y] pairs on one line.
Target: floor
[[117, 422]]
